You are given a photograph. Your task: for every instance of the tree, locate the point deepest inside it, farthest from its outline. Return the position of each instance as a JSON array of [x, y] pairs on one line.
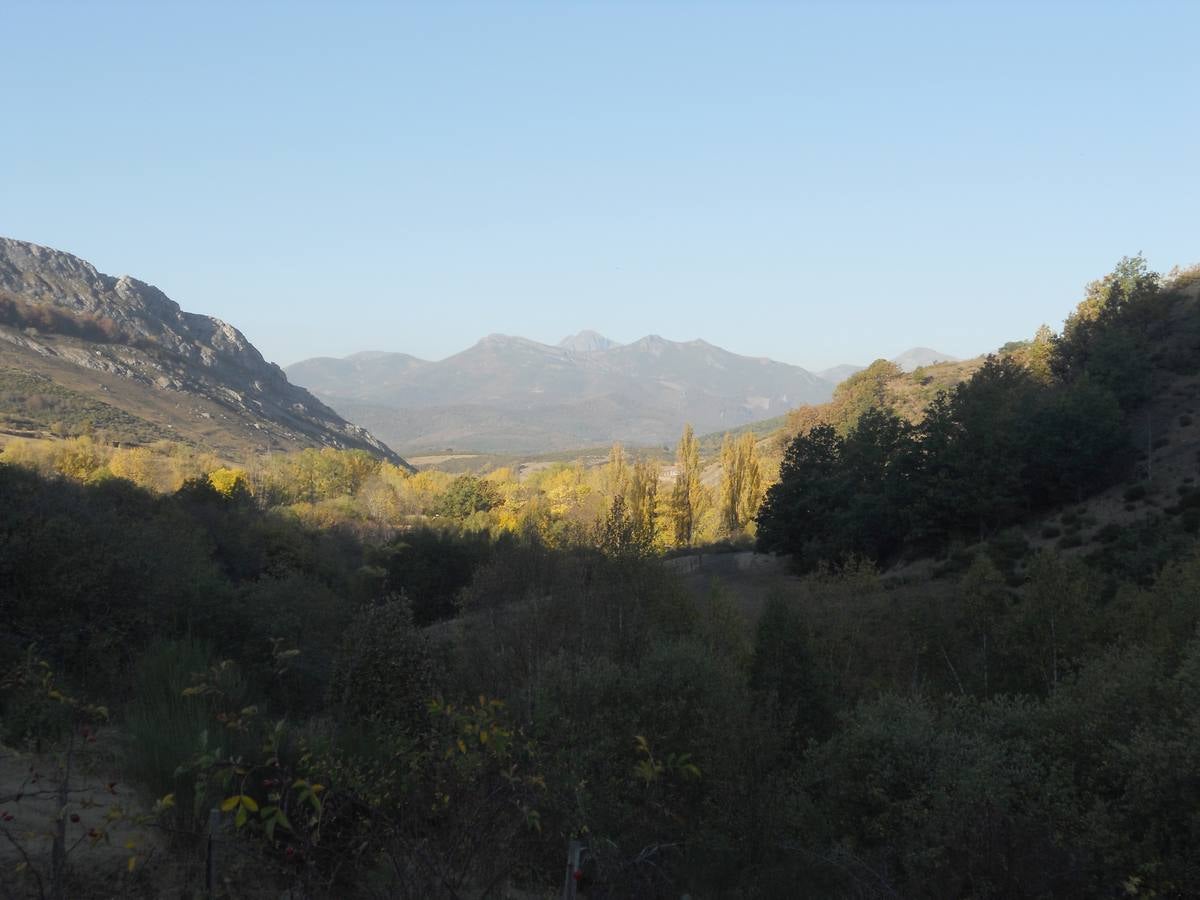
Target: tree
[[797, 515], [741, 486], [617, 473], [1107, 337], [688, 494], [641, 494], [466, 495]]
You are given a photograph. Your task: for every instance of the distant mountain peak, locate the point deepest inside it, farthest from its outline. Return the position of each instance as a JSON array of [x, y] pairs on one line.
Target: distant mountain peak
[[511, 394], [587, 341], [921, 356]]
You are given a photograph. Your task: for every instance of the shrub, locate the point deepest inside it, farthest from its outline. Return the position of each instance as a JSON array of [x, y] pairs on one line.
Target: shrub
[[1135, 492], [383, 672], [1051, 531], [1074, 539], [1108, 533]]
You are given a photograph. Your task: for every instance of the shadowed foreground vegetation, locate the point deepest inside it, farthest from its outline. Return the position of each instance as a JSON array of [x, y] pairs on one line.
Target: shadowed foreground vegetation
[[392, 693]]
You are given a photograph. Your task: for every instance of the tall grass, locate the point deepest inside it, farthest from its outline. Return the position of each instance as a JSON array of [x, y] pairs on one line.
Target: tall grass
[[167, 730]]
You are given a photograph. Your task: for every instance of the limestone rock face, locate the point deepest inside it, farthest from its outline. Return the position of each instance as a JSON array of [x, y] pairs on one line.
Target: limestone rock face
[[156, 343]]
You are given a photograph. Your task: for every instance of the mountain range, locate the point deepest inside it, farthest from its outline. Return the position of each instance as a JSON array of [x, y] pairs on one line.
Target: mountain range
[[512, 394], [114, 352], [82, 349]]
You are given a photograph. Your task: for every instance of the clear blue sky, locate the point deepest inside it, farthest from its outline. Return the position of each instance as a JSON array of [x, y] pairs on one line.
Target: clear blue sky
[[818, 183]]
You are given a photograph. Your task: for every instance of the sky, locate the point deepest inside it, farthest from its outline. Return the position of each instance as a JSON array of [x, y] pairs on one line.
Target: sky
[[815, 183]]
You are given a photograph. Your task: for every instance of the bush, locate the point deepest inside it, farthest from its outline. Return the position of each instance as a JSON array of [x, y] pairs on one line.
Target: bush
[[1135, 492], [1074, 539], [1051, 531], [1108, 533], [383, 672]]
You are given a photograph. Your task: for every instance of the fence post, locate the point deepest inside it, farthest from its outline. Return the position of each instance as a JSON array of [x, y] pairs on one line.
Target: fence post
[[210, 874], [575, 851]]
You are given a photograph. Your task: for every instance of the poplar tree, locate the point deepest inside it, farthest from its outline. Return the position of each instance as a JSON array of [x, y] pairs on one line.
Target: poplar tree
[[741, 486], [641, 497], [688, 492]]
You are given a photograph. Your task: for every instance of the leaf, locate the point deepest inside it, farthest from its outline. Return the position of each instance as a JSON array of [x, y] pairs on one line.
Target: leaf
[[132, 864], [229, 803], [240, 819], [249, 803]]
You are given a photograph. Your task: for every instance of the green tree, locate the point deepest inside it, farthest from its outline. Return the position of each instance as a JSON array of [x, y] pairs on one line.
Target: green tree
[[797, 515], [466, 495]]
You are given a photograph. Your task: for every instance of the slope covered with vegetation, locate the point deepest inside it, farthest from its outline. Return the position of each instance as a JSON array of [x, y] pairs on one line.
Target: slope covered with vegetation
[[425, 685]]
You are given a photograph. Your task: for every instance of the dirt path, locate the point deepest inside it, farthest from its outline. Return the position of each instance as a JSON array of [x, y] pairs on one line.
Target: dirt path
[[106, 825]]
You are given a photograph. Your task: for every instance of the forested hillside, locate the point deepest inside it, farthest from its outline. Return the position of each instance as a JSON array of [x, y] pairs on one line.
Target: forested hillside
[[982, 679]]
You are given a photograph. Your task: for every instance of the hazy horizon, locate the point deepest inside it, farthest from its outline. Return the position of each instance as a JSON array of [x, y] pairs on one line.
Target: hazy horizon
[[816, 184]]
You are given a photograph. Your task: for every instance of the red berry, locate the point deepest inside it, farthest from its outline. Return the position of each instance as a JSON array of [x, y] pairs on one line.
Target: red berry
[[75, 817]]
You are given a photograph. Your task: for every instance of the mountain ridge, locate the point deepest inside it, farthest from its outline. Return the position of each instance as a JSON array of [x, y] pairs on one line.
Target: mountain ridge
[[547, 397], [59, 315]]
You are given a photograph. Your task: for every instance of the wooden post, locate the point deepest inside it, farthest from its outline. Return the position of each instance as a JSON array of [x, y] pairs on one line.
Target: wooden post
[[210, 875], [575, 851]]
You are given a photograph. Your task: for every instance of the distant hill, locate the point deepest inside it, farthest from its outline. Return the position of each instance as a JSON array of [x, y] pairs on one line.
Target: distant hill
[[838, 374], [908, 361], [516, 395], [921, 356], [80, 348]]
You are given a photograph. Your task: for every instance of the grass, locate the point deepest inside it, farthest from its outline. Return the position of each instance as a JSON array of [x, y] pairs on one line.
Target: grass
[[166, 729]]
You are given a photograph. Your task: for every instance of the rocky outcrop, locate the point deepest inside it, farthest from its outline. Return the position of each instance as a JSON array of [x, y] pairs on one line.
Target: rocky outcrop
[[149, 339]]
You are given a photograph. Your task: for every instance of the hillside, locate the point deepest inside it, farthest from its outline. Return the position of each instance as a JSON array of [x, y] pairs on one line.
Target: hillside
[[80, 349], [512, 394]]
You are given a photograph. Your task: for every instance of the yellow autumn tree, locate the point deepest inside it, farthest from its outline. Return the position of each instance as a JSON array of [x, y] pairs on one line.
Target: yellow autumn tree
[[687, 497], [741, 483], [229, 482]]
